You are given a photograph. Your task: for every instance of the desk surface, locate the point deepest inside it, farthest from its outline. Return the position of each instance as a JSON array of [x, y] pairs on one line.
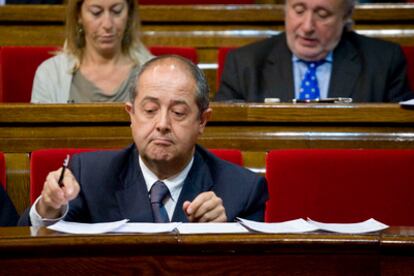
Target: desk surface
[[24, 250]]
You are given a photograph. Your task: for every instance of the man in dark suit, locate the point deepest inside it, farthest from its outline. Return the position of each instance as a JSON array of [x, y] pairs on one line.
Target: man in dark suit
[[316, 32], [169, 109]]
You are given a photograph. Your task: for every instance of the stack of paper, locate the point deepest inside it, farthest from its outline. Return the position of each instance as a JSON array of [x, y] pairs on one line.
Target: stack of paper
[[242, 226], [301, 225]]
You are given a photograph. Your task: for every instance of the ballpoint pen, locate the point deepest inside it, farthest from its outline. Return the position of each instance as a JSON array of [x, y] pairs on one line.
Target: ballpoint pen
[[62, 173]]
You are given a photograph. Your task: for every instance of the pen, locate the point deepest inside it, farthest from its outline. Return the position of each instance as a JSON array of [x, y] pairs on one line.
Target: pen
[[325, 100], [62, 173]]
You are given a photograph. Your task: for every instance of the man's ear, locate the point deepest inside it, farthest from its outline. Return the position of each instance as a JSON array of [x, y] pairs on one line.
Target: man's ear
[[129, 107], [205, 116]]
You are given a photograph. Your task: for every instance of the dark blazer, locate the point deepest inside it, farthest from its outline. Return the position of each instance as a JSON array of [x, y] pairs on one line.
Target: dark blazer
[[8, 214], [364, 69], [113, 188]]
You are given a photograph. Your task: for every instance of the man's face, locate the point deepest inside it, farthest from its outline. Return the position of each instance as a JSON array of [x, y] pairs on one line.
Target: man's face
[[314, 27], [165, 118]]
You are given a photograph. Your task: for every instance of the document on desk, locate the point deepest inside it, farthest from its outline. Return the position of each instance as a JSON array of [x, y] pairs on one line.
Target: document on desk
[[301, 226], [147, 228], [211, 228], [86, 228], [370, 225], [291, 226], [407, 104]]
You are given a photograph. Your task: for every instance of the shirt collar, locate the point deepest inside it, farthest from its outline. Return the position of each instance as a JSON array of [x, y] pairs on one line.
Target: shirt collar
[[174, 183], [328, 58]]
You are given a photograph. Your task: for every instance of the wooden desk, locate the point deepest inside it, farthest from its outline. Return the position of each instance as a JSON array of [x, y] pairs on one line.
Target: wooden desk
[[45, 251], [253, 128]]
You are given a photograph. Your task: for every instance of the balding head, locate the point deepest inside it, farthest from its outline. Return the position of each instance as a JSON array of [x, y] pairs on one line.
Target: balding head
[[183, 66]]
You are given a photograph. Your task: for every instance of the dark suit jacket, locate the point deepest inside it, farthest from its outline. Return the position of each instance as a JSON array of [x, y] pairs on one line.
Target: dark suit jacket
[[364, 69], [8, 214], [113, 188]]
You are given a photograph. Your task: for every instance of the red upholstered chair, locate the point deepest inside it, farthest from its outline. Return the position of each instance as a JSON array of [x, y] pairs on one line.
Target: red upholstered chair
[[409, 56], [341, 185], [221, 60], [18, 65], [2, 170], [231, 155], [187, 52], [42, 162], [193, 2]]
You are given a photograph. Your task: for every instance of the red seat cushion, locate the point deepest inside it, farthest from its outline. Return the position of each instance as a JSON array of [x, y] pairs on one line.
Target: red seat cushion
[[341, 185], [44, 161], [231, 155], [187, 52], [18, 65]]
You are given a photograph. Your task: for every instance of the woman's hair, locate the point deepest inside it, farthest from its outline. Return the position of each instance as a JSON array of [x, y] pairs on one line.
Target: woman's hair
[[75, 35]]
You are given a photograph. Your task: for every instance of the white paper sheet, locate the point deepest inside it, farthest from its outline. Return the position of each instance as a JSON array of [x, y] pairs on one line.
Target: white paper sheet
[[86, 228], [148, 228], [291, 226], [370, 225], [211, 228]]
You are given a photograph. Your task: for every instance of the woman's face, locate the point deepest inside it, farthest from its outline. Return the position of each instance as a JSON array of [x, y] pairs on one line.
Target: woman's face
[[104, 23]]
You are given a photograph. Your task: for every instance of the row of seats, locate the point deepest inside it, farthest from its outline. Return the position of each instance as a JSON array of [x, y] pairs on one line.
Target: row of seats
[[331, 185], [16, 80]]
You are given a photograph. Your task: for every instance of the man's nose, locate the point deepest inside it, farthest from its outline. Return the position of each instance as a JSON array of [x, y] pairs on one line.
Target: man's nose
[[163, 122], [308, 23]]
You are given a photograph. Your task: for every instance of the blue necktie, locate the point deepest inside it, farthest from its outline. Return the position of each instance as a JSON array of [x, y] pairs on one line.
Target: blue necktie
[[309, 89], [159, 191]]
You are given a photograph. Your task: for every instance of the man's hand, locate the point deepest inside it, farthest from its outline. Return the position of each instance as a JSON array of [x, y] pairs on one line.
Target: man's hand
[[54, 197], [206, 207]]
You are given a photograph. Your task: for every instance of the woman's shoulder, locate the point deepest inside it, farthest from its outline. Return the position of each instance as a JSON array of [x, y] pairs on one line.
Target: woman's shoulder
[[60, 60]]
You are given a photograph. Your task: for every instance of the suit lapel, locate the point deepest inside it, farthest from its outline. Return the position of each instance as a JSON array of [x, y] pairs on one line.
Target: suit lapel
[[197, 181], [346, 69], [132, 194], [278, 74]]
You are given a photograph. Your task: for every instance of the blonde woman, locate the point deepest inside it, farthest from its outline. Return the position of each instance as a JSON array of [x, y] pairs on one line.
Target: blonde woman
[[101, 56]]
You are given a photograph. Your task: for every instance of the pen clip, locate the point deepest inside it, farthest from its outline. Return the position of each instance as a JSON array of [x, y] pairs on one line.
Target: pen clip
[[66, 161]]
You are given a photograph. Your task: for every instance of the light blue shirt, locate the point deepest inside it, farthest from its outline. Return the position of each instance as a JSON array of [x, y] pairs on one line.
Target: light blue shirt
[[323, 74]]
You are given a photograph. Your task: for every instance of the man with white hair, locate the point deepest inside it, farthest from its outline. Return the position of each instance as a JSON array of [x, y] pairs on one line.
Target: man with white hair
[[317, 56]]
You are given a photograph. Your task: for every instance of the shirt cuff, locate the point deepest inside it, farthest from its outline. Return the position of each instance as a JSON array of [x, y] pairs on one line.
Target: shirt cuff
[[38, 221]]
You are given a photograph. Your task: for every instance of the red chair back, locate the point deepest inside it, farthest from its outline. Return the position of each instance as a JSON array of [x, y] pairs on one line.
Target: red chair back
[[221, 60], [18, 65], [194, 2], [44, 161], [187, 52], [341, 185], [231, 155], [2, 170], [409, 56]]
